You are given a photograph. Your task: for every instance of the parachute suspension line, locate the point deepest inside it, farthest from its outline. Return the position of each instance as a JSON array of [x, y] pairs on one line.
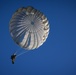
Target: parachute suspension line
[[22, 53], [16, 52]]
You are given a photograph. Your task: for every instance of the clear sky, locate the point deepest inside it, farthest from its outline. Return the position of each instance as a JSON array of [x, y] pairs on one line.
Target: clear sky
[[57, 56]]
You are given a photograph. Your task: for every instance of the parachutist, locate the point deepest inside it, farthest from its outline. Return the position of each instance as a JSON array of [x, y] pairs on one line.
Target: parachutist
[[13, 58]]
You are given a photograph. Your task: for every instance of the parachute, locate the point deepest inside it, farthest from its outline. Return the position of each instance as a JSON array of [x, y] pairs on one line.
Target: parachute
[[29, 28]]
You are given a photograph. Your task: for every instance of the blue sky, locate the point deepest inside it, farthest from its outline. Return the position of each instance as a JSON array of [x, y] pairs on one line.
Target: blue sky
[[57, 56]]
